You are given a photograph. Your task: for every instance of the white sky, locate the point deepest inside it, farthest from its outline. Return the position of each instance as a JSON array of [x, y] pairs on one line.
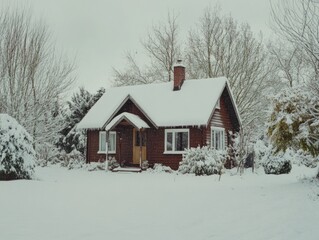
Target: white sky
[[99, 32]]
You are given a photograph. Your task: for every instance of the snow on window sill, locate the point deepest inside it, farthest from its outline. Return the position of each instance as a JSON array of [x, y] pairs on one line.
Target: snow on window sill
[[173, 152], [103, 152]]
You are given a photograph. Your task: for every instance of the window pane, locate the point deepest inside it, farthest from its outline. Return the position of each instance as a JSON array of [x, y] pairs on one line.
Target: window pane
[[112, 142], [181, 141], [169, 141], [218, 139], [222, 140], [218, 104], [102, 141]]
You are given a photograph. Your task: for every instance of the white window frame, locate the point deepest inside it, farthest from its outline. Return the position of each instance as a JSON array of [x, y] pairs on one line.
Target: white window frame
[[103, 134], [212, 137], [174, 131]]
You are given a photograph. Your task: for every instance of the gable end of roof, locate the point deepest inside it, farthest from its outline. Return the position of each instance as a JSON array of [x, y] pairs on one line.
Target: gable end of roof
[[129, 97], [231, 96]]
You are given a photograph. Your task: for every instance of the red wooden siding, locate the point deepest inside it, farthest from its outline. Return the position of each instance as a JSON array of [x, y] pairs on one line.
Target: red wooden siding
[[222, 118], [93, 147], [156, 142], [130, 107]]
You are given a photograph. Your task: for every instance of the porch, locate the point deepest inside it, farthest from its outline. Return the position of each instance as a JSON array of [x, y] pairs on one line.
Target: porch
[[130, 141]]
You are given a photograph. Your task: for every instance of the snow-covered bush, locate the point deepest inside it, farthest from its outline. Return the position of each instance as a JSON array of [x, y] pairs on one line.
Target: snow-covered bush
[[144, 165], [48, 153], [301, 157], [17, 156], [202, 161], [72, 160], [279, 163], [160, 168], [95, 166], [112, 163], [262, 151]]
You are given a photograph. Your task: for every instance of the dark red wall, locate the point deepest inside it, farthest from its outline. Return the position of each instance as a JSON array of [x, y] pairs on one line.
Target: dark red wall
[[155, 146], [93, 147]]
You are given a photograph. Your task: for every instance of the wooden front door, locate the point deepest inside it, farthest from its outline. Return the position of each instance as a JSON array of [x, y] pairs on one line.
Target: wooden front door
[[139, 137]]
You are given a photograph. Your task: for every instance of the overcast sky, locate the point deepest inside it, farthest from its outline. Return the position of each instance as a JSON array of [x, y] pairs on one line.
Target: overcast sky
[[99, 32]]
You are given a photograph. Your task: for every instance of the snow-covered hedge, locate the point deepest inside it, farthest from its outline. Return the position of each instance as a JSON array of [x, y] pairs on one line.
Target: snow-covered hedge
[[202, 161], [160, 168], [17, 156], [95, 166], [301, 157], [264, 151], [279, 163]]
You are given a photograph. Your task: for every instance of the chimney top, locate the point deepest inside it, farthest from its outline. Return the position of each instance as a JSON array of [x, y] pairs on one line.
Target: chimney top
[[179, 63]]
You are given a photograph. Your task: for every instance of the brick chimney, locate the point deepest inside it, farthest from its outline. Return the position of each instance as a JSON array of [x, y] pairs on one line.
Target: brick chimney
[[179, 75]]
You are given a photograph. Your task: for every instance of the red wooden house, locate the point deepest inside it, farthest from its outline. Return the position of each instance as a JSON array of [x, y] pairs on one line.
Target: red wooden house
[[156, 122]]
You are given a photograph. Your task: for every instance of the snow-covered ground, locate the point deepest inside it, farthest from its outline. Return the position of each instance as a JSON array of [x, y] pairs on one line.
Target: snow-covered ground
[[81, 205]]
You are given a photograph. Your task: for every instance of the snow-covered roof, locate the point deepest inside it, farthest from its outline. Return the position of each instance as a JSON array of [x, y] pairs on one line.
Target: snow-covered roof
[[190, 106], [133, 119]]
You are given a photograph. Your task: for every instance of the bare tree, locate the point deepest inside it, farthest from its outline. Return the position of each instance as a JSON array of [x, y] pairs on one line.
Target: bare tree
[[291, 64], [32, 75], [297, 22], [134, 74], [219, 46], [162, 45], [202, 50], [162, 48]]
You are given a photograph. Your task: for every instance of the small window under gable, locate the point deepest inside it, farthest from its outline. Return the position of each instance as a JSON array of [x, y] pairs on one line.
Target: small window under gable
[[218, 138], [176, 140], [218, 104], [111, 142]]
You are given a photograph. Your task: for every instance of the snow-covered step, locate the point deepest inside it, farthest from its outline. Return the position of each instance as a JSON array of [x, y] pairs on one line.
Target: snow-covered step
[[127, 169]]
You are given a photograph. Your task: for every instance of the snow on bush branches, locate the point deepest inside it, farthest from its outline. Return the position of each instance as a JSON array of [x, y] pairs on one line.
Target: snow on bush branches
[[279, 163], [17, 156], [295, 120], [202, 161]]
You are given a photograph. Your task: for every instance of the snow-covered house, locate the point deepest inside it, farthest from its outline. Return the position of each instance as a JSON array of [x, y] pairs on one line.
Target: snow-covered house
[[156, 122]]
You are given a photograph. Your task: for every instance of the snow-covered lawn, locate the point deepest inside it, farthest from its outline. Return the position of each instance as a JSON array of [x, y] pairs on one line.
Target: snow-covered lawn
[[80, 205]]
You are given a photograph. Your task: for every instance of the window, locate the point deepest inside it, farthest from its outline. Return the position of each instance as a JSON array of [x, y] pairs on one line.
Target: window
[[218, 138], [111, 142], [218, 104], [176, 140]]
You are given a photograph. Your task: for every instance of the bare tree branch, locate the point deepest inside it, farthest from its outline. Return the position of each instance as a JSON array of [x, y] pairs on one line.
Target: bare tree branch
[[32, 75]]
